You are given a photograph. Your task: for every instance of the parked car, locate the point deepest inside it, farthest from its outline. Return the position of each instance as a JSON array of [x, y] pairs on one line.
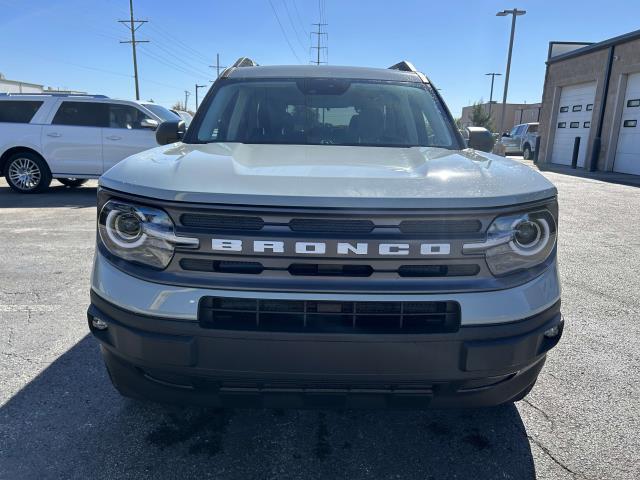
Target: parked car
[[324, 236], [521, 140], [185, 116], [71, 137]]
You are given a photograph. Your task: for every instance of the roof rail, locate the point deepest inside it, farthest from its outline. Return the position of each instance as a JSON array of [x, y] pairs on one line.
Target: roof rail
[[404, 66], [52, 94], [244, 62], [241, 62]]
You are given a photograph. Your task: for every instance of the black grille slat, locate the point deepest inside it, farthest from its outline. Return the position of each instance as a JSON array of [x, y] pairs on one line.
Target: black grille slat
[[329, 225], [440, 226], [221, 266], [221, 222], [328, 316], [452, 270]]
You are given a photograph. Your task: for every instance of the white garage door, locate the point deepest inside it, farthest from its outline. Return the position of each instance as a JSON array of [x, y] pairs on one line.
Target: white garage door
[[574, 120], [628, 150]]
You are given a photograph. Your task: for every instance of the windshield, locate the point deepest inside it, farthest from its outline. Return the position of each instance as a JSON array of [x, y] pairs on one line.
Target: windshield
[[325, 111], [160, 111]]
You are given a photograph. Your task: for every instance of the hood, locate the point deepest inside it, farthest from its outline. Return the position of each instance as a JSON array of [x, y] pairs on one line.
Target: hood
[[327, 176]]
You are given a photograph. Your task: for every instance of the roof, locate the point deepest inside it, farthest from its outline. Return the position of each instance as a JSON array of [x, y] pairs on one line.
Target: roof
[[627, 37], [323, 71], [18, 82]]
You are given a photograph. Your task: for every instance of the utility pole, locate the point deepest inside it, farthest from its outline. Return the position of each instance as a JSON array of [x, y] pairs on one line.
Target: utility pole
[[187, 93], [197, 87], [514, 13], [134, 25], [319, 34], [493, 76], [217, 66]]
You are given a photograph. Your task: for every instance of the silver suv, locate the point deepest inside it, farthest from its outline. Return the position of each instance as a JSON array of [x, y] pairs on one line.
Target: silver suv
[[323, 236]]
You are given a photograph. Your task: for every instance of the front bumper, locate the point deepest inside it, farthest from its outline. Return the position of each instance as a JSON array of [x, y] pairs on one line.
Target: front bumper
[[178, 361]]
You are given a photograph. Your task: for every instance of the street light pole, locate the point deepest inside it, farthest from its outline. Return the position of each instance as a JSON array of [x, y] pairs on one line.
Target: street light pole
[[197, 87], [493, 77], [514, 13]]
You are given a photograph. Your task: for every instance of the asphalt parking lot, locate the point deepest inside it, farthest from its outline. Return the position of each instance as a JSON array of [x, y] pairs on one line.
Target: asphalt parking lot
[[60, 417]]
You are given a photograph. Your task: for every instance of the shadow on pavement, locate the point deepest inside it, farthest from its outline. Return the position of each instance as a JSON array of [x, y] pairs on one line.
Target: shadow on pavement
[[57, 196], [69, 423]]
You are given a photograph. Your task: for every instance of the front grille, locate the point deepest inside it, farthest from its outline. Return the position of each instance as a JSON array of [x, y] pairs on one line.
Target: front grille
[[222, 222], [221, 266], [310, 225], [230, 313], [440, 226]]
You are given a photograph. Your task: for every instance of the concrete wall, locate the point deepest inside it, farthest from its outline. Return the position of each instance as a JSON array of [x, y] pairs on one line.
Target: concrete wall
[[588, 68]]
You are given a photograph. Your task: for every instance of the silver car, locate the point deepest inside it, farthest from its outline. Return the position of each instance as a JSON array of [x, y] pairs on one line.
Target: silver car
[[323, 236]]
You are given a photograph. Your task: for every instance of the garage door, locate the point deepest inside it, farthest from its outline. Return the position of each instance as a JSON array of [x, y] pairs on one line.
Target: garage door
[[574, 120], [628, 149]]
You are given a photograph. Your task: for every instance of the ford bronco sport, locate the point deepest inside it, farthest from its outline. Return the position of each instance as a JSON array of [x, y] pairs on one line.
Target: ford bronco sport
[[323, 236]]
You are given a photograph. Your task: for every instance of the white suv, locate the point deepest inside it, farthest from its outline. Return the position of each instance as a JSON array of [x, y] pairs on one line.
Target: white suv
[[71, 138]]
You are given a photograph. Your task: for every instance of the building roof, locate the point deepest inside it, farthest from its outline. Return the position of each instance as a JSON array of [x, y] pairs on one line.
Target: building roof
[[18, 82], [324, 71], [627, 37]]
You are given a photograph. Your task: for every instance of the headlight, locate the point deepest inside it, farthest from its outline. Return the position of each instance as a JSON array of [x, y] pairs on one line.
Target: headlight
[[517, 242], [139, 234]]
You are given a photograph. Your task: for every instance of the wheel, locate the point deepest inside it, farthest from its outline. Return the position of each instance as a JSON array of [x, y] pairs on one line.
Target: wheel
[[27, 172], [72, 182], [526, 152]]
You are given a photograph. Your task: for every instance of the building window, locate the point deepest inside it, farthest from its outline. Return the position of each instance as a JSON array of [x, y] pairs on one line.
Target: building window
[[574, 125], [586, 125], [564, 109], [633, 103], [577, 108], [562, 125], [589, 107], [630, 123]]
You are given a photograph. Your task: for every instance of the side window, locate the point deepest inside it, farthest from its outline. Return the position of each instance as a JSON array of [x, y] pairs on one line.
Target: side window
[[81, 114], [521, 130], [125, 116], [18, 111]]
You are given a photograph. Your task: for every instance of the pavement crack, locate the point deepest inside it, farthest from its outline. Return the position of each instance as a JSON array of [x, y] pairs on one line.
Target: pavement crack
[[538, 409], [554, 458]]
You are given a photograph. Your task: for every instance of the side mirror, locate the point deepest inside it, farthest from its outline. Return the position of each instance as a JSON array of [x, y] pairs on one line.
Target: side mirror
[[149, 123], [170, 131], [480, 139]]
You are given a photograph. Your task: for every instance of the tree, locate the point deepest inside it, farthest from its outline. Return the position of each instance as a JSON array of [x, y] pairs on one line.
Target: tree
[[480, 117], [178, 106]]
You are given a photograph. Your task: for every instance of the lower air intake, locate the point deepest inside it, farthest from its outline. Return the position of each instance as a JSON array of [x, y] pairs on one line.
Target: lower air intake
[[229, 313]]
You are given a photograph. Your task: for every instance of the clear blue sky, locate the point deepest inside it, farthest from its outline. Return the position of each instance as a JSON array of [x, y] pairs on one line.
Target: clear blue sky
[[74, 43]]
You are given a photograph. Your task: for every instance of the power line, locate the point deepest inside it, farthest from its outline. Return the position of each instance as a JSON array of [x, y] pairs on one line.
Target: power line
[[284, 33], [172, 65], [295, 30], [134, 25], [177, 43], [295, 7]]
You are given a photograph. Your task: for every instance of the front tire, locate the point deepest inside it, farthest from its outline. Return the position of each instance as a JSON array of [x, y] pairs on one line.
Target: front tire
[[72, 182], [526, 153], [27, 172]]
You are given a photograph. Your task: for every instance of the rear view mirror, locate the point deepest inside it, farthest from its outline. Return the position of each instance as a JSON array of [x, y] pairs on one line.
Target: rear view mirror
[[170, 131], [149, 123], [480, 139]]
